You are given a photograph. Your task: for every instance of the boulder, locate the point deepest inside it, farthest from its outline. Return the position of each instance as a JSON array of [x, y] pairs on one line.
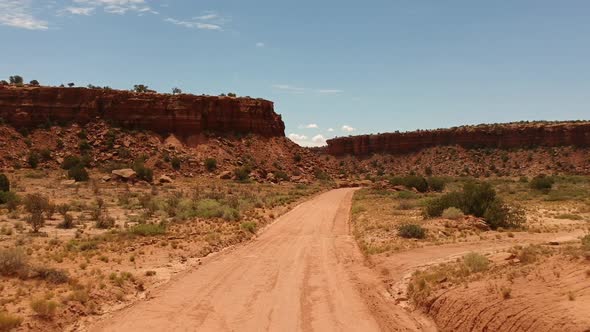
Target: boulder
[[225, 175], [125, 173], [165, 179]]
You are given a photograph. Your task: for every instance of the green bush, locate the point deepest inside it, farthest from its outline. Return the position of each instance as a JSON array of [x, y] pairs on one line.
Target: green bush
[[297, 158], [78, 173], [148, 229], [143, 173], [84, 146], [542, 183], [242, 173], [4, 182], [480, 200], [281, 175], [249, 226], [436, 184], [411, 231], [70, 162], [410, 181], [210, 164], [175, 163], [33, 159], [8, 197], [67, 223]]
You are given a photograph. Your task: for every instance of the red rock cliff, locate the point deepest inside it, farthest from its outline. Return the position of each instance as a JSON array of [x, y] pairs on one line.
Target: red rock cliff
[[503, 136], [183, 115]]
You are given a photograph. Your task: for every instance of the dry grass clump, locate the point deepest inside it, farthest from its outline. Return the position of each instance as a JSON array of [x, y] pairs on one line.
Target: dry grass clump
[[44, 308], [452, 213], [13, 261], [9, 322]]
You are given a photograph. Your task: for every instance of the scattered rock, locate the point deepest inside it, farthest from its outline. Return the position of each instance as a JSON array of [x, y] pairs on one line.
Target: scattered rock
[[125, 173], [68, 182], [225, 175], [165, 179]]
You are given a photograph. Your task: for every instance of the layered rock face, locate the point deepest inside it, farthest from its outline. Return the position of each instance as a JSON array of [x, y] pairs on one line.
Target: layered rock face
[[183, 115], [502, 136]]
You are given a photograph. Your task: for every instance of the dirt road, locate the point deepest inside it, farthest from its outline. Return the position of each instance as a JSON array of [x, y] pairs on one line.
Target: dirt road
[[304, 273]]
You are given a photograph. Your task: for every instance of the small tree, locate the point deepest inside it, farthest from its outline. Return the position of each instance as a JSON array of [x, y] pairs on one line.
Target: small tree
[[71, 85], [176, 91], [140, 88], [231, 94], [4, 183], [78, 173], [36, 204], [16, 79], [34, 83]]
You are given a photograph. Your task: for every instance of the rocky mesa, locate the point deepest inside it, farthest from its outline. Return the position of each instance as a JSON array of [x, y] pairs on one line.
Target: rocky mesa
[[500, 136], [184, 115]]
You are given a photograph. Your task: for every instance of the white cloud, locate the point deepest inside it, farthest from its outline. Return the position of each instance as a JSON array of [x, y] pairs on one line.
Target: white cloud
[[330, 130], [118, 6], [288, 88], [347, 129], [297, 137], [329, 91], [260, 44], [207, 21], [79, 10], [311, 126], [194, 25], [19, 14], [317, 140]]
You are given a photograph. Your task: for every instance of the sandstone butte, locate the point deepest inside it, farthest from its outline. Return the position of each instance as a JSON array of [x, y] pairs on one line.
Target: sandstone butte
[[184, 115], [502, 136]]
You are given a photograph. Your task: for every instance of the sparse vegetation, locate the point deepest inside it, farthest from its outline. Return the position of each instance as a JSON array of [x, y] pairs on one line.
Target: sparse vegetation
[[9, 322], [411, 231], [210, 164]]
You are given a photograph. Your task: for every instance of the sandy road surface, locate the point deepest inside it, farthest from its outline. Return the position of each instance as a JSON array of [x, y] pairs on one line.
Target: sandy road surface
[[304, 273]]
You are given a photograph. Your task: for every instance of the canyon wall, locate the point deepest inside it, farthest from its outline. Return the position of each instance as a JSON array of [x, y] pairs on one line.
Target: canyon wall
[[183, 115], [502, 136]]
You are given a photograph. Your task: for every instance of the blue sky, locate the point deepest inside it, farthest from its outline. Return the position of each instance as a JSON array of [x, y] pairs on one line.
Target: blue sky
[[333, 68]]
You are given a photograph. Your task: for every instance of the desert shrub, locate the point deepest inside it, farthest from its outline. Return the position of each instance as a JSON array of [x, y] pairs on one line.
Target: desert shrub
[[70, 162], [67, 223], [476, 262], [210, 164], [436, 184], [249, 226], [210, 208], [406, 195], [452, 213], [84, 146], [480, 200], [52, 275], [242, 173], [406, 205], [148, 229], [33, 159], [542, 183], [103, 221], [78, 173], [175, 163], [411, 181], [411, 231], [36, 205], [4, 183], [321, 175], [45, 154], [297, 158], [63, 209], [586, 242], [143, 172], [44, 308], [7, 196], [9, 322], [13, 261], [435, 207], [281, 175], [78, 295]]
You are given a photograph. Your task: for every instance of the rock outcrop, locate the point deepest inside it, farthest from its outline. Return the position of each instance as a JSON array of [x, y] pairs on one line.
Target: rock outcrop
[[502, 136], [186, 116]]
